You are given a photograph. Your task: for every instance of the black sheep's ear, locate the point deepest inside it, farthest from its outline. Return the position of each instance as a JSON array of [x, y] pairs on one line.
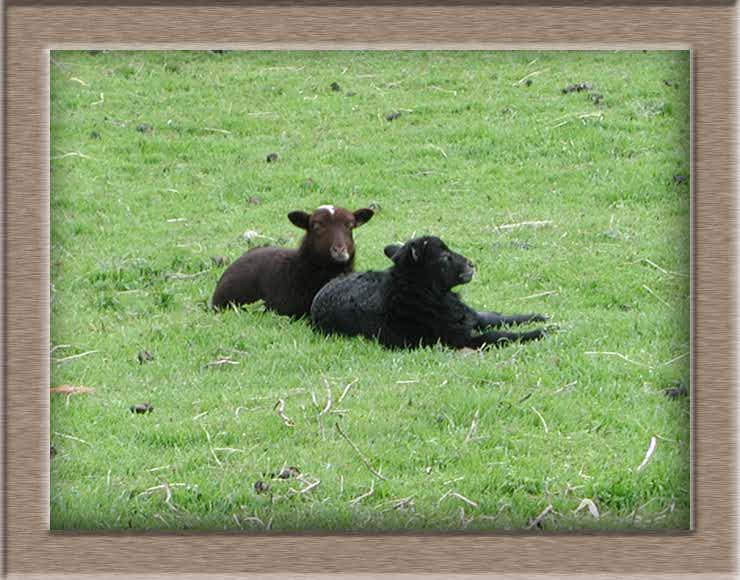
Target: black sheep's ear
[[391, 250], [408, 252], [299, 219], [362, 216]]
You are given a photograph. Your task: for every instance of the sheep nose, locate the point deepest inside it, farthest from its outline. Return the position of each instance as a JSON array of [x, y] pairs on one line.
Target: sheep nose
[[339, 254]]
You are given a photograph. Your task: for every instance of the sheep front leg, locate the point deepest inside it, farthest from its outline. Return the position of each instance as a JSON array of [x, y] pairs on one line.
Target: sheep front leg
[[497, 338], [497, 320]]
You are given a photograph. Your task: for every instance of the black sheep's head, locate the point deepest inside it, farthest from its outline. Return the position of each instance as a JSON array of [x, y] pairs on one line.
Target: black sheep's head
[[329, 232], [430, 260]]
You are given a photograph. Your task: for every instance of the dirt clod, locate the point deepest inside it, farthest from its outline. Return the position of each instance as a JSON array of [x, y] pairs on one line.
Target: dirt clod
[[680, 389], [577, 88], [261, 486], [144, 128], [272, 157], [288, 472], [142, 408], [145, 356]]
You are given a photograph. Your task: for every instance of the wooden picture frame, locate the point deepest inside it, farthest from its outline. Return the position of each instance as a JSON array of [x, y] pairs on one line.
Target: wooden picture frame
[[33, 28]]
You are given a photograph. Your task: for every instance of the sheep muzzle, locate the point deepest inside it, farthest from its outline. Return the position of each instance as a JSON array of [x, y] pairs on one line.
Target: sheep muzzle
[[467, 274], [339, 255]]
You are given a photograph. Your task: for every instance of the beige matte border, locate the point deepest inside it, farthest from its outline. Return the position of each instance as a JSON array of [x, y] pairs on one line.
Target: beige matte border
[[31, 551]]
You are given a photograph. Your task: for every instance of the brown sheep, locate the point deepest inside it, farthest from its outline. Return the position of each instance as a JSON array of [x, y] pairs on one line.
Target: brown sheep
[[287, 279]]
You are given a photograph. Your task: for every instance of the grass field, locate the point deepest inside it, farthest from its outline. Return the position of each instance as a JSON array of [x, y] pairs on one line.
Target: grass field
[[159, 165]]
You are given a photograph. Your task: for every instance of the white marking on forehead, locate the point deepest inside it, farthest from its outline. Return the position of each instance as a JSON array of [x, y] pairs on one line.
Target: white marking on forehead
[[329, 208]]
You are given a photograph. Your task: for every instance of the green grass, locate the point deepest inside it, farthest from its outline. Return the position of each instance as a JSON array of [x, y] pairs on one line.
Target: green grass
[[473, 149]]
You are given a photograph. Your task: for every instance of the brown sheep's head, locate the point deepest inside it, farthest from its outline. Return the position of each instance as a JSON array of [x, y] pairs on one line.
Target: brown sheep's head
[[329, 232]]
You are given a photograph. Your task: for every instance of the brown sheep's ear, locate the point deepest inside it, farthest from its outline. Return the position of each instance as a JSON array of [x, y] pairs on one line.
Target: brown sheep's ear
[[299, 219], [362, 216], [391, 250]]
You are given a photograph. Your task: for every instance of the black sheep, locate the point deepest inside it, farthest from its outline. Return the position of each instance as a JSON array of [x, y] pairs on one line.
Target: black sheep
[[287, 279], [411, 304]]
